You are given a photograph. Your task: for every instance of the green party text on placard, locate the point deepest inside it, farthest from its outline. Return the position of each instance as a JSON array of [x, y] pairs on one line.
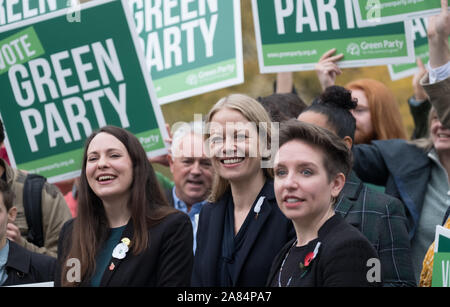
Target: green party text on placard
[[19, 48], [203, 76], [55, 165], [180, 39], [353, 48], [151, 140], [12, 11]]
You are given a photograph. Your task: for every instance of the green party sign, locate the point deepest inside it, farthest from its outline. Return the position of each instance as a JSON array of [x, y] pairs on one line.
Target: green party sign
[[292, 35], [441, 270], [441, 260], [12, 11], [421, 50], [62, 80], [377, 12], [191, 46]]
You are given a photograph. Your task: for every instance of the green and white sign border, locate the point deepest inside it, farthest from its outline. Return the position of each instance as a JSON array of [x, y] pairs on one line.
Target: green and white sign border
[[219, 85], [343, 63], [390, 19], [145, 74]]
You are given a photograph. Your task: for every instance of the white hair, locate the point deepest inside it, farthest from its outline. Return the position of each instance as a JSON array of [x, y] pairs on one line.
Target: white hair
[[180, 130]]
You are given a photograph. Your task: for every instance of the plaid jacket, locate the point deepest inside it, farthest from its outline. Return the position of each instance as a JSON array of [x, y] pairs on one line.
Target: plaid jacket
[[381, 218]]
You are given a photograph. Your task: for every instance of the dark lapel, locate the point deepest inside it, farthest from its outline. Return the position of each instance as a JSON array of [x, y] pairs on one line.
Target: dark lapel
[[350, 193], [108, 274], [169, 196], [256, 227], [215, 236], [18, 258]]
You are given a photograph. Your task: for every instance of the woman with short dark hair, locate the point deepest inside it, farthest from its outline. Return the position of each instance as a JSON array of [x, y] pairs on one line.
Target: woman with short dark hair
[[310, 170]]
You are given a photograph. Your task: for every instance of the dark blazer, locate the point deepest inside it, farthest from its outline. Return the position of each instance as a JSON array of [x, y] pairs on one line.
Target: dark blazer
[[381, 219], [403, 168], [169, 197], [167, 261], [269, 235], [341, 260], [26, 267]]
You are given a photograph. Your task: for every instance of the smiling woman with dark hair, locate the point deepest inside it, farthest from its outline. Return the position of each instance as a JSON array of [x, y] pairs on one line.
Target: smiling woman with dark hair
[[125, 234]]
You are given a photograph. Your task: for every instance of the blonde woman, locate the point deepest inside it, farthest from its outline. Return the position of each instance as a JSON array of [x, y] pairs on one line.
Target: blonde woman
[[242, 229]]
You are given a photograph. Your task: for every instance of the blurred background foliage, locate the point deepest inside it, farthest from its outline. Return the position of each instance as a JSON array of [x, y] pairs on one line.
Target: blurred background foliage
[[257, 84]]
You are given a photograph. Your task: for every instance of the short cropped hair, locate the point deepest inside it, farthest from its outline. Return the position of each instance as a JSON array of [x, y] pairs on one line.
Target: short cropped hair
[[184, 129], [337, 156], [282, 107]]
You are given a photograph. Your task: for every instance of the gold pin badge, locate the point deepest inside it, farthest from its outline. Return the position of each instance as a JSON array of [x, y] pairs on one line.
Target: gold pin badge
[[126, 241]]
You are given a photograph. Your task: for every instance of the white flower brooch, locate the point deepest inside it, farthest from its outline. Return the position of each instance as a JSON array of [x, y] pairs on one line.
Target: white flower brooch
[[120, 251]]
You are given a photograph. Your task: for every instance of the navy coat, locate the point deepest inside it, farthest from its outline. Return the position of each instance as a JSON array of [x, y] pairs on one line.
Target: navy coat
[[403, 168], [267, 236], [26, 267]]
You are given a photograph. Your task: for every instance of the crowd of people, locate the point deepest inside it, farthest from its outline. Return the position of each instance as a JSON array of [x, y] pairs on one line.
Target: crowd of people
[[266, 192]]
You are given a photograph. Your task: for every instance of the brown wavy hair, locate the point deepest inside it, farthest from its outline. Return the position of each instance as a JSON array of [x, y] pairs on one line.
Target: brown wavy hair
[[386, 118], [147, 204]]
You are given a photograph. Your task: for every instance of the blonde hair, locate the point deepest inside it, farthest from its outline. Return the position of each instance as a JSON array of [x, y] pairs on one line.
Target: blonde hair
[[384, 112], [255, 113]]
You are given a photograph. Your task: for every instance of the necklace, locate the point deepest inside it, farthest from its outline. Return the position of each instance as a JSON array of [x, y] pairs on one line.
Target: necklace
[[282, 265], [305, 265]]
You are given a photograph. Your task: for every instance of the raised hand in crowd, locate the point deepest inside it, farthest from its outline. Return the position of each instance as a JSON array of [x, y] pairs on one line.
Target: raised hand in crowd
[[327, 68], [419, 92], [438, 33]]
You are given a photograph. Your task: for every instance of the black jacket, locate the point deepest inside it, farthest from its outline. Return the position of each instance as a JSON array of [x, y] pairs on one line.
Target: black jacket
[[26, 267], [167, 261], [342, 259], [266, 238], [403, 168]]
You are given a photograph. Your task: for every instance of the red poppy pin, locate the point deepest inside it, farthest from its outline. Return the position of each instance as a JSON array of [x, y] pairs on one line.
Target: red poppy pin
[[310, 257]]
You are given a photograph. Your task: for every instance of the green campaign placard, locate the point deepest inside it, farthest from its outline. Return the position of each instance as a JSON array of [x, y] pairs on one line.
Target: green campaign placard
[[421, 50], [441, 260], [292, 36], [377, 12], [419, 36], [61, 80], [441, 270], [191, 46], [12, 11]]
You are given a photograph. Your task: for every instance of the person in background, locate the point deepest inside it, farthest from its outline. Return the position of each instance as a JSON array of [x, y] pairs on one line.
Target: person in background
[[125, 233], [417, 172], [282, 107], [377, 113], [192, 172], [18, 265], [55, 211], [310, 171], [419, 104], [380, 217], [242, 229]]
